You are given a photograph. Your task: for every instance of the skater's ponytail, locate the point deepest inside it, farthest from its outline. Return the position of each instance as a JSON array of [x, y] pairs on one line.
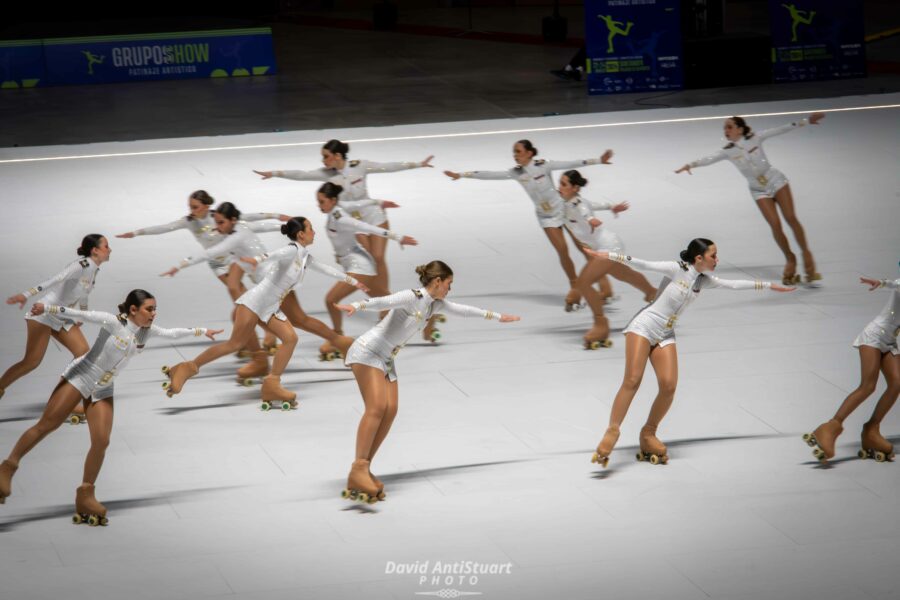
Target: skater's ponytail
[[331, 190], [202, 196], [228, 210], [88, 243], [433, 270], [337, 147], [529, 147], [697, 247], [740, 122], [293, 227], [135, 298], [576, 178]]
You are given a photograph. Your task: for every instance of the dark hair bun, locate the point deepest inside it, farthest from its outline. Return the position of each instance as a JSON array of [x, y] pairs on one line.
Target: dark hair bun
[[684, 256]]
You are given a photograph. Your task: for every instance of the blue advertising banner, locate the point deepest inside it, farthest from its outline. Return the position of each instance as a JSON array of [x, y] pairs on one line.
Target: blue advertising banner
[[817, 39], [633, 45], [21, 64], [107, 59]]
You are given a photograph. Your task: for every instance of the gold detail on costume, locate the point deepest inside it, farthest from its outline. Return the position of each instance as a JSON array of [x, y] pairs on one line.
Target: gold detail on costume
[[419, 316], [349, 280], [489, 315], [762, 179], [107, 377], [545, 206], [671, 322], [53, 310], [198, 331], [354, 163], [34, 291], [83, 263], [356, 215]]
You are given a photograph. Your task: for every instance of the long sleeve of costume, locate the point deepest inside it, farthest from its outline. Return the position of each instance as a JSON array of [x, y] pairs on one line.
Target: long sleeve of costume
[[559, 165], [73, 270], [487, 174], [708, 160], [265, 226], [389, 167], [737, 284], [464, 310], [312, 263], [767, 133], [895, 284], [595, 206], [177, 332], [317, 175], [389, 302], [363, 227], [284, 254], [105, 320], [351, 205], [167, 228], [223, 248], [260, 216], [662, 266]]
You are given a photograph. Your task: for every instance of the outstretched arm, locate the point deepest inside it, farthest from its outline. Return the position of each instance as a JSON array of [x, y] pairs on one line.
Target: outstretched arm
[[559, 165], [157, 229], [668, 267], [391, 167], [874, 284], [480, 174], [180, 332], [464, 310], [380, 303], [317, 175], [745, 284], [703, 162], [105, 320], [812, 119], [315, 265], [72, 270]]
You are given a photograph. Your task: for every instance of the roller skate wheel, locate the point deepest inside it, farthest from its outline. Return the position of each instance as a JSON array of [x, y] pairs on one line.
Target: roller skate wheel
[[382, 496], [326, 356], [862, 454], [286, 405], [654, 459], [166, 384], [265, 406], [595, 458], [880, 456], [435, 335], [345, 494], [74, 419], [170, 393], [362, 497], [77, 519], [165, 369], [807, 437], [93, 521], [664, 460], [272, 351], [247, 382], [639, 456], [440, 318]]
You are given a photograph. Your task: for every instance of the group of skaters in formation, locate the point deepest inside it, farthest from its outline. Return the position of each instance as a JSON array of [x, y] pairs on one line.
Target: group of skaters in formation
[[358, 228]]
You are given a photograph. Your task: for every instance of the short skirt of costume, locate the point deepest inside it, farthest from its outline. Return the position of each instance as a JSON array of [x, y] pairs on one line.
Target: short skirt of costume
[[652, 328], [878, 337], [264, 299], [91, 382], [766, 185], [358, 262], [359, 354]]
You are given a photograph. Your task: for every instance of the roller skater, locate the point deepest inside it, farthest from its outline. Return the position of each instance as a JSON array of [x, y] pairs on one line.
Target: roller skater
[[200, 222], [91, 378], [263, 304], [877, 345], [343, 230], [650, 335], [372, 354], [768, 186], [67, 288], [351, 176], [536, 177]]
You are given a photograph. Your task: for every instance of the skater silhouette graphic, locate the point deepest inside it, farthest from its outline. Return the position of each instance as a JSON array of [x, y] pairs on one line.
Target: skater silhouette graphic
[[615, 28], [798, 16], [92, 60]]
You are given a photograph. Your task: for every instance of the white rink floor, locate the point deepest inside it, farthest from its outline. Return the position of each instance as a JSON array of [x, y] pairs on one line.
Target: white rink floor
[[489, 459]]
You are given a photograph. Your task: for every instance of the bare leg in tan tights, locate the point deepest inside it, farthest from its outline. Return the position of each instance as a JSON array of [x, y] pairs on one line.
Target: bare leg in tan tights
[[381, 401]]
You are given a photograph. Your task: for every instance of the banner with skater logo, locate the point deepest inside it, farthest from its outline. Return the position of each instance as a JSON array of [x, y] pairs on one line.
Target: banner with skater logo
[[817, 39], [180, 55], [21, 64], [633, 45]]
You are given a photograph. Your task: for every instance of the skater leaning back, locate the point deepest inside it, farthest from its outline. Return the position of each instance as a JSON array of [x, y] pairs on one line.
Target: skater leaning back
[[372, 359], [768, 186], [262, 304], [651, 335], [877, 346], [90, 378], [69, 287]]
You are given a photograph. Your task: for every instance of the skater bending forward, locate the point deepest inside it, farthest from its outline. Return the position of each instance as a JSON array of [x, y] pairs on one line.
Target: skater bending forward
[[372, 359], [262, 305], [651, 335], [90, 378], [877, 350]]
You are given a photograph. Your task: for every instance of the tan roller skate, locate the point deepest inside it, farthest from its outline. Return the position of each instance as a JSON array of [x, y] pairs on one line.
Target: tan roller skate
[[809, 265], [598, 335], [652, 450], [243, 354], [606, 445], [274, 395], [378, 484], [874, 445], [823, 438], [256, 368], [360, 486], [329, 352], [87, 508], [431, 333], [7, 470], [790, 276], [178, 374], [573, 299], [270, 345]]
